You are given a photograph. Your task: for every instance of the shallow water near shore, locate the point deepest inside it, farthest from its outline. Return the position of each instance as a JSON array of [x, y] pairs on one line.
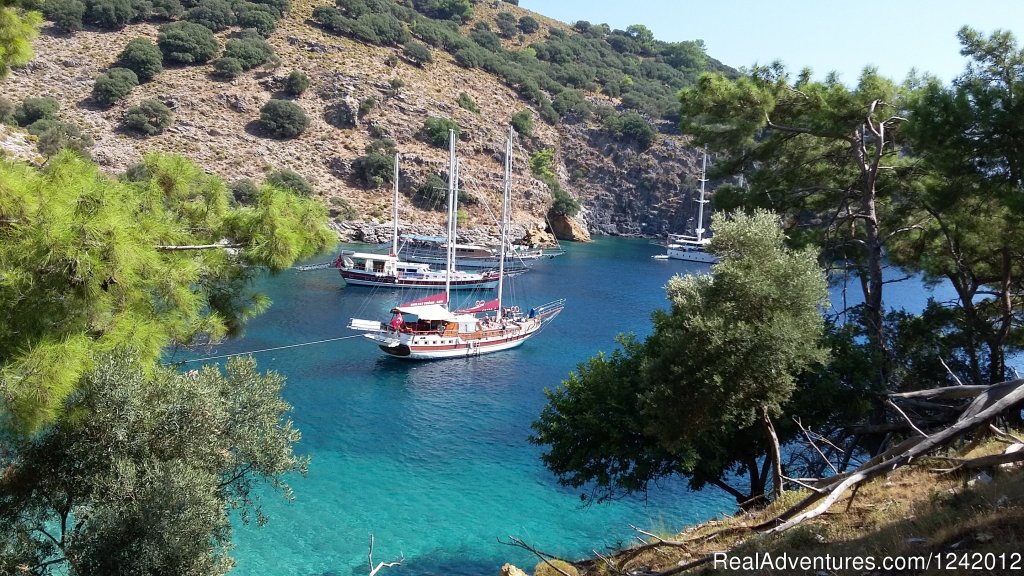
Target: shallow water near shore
[[432, 458]]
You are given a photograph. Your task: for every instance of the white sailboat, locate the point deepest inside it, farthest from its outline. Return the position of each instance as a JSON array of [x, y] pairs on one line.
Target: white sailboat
[[693, 248], [393, 270], [427, 329]]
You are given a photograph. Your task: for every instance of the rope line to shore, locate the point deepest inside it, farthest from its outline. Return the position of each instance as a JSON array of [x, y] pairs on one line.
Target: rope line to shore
[[266, 349]]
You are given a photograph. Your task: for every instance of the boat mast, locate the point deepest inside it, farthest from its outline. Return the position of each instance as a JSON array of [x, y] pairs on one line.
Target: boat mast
[[700, 203], [505, 201], [394, 213], [450, 245]]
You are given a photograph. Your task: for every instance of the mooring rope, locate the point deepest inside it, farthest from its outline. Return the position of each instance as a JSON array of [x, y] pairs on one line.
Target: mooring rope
[[266, 349]]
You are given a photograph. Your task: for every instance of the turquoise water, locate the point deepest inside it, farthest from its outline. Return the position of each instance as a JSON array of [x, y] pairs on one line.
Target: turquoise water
[[432, 458]]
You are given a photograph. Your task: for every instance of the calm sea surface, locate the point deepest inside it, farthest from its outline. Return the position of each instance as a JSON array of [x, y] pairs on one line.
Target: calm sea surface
[[432, 458]]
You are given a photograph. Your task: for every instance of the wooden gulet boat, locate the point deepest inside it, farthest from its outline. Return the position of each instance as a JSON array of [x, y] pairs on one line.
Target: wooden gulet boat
[[427, 329]]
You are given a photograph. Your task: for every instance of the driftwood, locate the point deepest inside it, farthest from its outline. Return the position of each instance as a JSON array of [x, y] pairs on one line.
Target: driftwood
[[381, 565]]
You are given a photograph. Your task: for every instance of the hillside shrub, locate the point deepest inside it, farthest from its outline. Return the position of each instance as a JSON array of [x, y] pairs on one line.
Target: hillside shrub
[[159, 9], [261, 21], [435, 130], [366, 105], [61, 135], [528, 24], [227, 68], [6, 111], [150, 117], [142, 57], [486, 39], [113, 85], [345, 211], [187, 43], [283, 119], [290, 180], [572, 102], [456, 10], [377, 166], [42, 125], [432, 192], [244, 190], [250, 49], [216, 15], [522, 122], [417, 53], [466, 102], [630, 127], [109, 14], [34, 109], [296, 83], [67, 15], [507, 25], [441, 35], [278, 6]]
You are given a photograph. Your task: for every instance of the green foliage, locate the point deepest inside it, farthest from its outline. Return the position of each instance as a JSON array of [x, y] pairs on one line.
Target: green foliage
[[263, 22], [630, 127], [35, 109], [227, 68], [283, 119], [522, 121], [113, 85], [507, 25], [109, 14], [153, 464], [432, 192], [88, 271], [63, 135], [486, 39], [688, 399], [457, 10], [150, 117], [17, 30], [187, 43], [373, 28], [296, 83], [290, 180], [435, 130], [441, 35], [528, 24], [213, 14], [159, 9], [250, 49], [366, 105], [542, 167], [67, 15], [466, 102], [142, 57], [417, 52], [6, 111], [345, 211], [377, 166], [572, 103]]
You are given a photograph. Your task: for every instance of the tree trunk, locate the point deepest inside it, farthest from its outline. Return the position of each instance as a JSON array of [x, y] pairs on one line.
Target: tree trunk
[[774, 453]]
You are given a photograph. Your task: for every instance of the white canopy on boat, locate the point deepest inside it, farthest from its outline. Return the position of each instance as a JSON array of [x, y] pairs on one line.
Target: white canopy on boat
[[428, 312]]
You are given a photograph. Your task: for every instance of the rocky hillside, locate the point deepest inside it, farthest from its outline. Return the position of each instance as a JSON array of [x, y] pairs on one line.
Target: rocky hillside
[[623, 190]]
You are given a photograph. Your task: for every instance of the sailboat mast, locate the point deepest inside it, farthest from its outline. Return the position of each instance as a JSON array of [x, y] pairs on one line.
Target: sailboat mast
[[505, 217], [702, 201], [394, 213], [450, 244]]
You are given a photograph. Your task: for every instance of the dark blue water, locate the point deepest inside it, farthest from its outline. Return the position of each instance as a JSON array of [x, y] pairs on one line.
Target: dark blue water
[[432, 458]]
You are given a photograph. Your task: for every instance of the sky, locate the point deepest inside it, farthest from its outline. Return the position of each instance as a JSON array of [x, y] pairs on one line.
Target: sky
[[824, 35]]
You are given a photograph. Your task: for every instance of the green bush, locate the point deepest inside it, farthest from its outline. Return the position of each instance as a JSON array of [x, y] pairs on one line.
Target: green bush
[[283, 119], [630, 127], [528, 24], [227, 68], [522, 121], [457, 10], [278, 6], [109, 14], [366, 105], [486, 39], [67, 15], [213, 14], [263, 22], [250, 49], [113, 85], [417, 53], [466, 102], [290, 180], [6, 111], [435, 130], [32, 110], [377, 166], [345, 210], [296, 83], [187, 43], [244, 190], [433, 192], [42, 125], [142, 57], [572, 102], [162, 10], [61, 135], [150, 117], [507, 27]]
